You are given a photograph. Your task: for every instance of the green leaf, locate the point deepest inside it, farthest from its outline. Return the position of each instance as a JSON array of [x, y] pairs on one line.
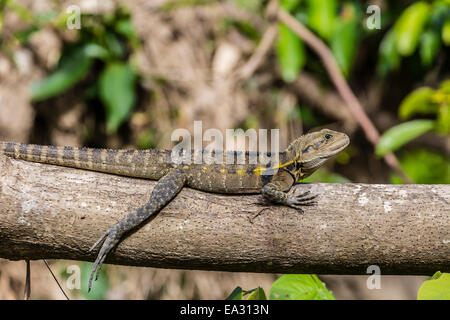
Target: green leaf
[[236, 294], [299, 287], [389, 59], [73, 67], [409, 27], [440, 12], [429, 46], [257, 294], [114, 45], [94, 50], [289, 5], [117, 92], [446, 33], [438, 288], [291, 53], [99, 287], [436, 275], [445, 87], [125, 27], [399, 135], [322, 15], [343, 44], [443, 119], [418, 101], [417, 164]]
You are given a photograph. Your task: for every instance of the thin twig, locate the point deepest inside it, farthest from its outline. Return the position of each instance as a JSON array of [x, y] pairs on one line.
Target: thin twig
[[266, 43], [54, 277], [247, 70], [341, 84]]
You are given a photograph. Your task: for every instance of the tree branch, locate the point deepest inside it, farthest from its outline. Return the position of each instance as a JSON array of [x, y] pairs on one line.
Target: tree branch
[[50, 212]]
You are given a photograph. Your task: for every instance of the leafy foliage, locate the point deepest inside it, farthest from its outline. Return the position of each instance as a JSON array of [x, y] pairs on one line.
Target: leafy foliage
[[418, 163], [291, 53], [399, 135], [346, 34], [409, 27], [342, 32], [420, 27], [426, 101], [254, 294], [288, 287], [116, 89], [107, 42], [437, 288], [73, 66], [322, 15], [299, 287]]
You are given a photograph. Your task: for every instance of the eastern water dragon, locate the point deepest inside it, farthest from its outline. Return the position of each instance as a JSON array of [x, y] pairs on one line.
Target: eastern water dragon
[[273, 180]]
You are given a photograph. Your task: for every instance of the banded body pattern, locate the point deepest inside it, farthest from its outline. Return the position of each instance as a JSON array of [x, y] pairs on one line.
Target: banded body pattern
[[150, 164]]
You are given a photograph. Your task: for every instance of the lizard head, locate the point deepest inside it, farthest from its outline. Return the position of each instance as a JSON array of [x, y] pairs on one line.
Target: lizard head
[[314, 149]]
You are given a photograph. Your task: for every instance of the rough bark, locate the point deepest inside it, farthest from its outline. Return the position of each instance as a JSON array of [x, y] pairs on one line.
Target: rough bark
[[58, 213]]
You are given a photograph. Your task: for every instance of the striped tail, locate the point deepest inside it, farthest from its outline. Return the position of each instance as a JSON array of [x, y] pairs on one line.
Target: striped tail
[[151, 164]]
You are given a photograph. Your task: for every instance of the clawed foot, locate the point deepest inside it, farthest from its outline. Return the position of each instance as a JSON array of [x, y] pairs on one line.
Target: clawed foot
[[297, 199], [111, 238]]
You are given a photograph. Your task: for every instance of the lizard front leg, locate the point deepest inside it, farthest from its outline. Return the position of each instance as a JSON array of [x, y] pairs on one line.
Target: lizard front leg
[[165, 190], [278, 191]]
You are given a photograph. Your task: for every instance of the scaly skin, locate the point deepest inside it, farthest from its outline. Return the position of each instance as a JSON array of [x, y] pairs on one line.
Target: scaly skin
[[274, 180]]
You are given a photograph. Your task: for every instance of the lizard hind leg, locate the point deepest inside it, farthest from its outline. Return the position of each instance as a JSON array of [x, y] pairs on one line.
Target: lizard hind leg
[[163, 192]]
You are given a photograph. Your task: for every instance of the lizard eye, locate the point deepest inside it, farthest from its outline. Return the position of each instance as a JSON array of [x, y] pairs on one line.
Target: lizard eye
[[328, 136]]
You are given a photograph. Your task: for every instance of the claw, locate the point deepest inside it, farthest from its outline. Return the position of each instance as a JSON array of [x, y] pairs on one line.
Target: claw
[[301, 195], [103, 237], [306, 199], [297, 199], [112, 238], [309, 204], [299, 209]]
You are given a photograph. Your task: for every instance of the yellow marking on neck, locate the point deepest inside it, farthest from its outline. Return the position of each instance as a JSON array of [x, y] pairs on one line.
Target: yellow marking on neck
[[241, 172], [260, 170], [223, 171]]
